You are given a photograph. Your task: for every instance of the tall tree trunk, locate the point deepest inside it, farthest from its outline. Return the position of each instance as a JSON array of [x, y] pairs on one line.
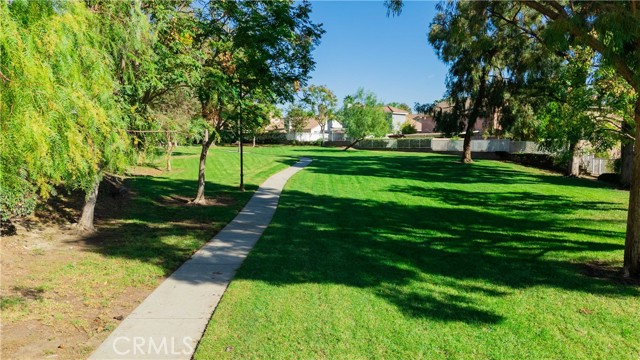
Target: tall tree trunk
[[170, 146], [200, 199], [632, 242], [206, 136], [573, 168], [254, 141], [86, 218], [466, 147], [626, 158], [473, 117], [322, 134]]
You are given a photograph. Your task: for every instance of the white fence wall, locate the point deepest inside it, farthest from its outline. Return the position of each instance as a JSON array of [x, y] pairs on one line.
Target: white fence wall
[[595, 166], [492, 145]]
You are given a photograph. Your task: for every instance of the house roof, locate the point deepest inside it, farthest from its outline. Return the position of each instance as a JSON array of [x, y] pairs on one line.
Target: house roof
[[411, 119], [312, 123], [393, 110], [418, 117], [446, 105], [275, 125]]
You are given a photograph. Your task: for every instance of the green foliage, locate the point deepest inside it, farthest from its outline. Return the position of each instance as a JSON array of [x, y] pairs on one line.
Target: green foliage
[[408, 128], [154, 59], [574, 102], [296, 119], [362, 116], [255, 53], [17, 200], [450, 118], [271, 138], [466, 39], [321, 103], [60, 121]]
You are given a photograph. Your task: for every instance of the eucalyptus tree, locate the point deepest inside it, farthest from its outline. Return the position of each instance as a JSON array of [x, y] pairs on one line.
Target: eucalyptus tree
[[464, 37], [362, 116], [564, 102], [614, 109], [321, 103], [612, 29], [251, 50], [61, 124]]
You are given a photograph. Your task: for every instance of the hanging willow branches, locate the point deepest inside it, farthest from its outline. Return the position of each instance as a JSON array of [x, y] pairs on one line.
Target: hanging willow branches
[[60, 122]]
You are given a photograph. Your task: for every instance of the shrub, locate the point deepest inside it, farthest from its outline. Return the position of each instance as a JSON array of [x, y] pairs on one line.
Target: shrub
[[271, 138], [408, 128], [17, 202]]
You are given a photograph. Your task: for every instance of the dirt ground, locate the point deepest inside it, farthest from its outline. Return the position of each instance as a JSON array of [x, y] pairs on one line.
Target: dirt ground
[[72, 330], [42, 317]]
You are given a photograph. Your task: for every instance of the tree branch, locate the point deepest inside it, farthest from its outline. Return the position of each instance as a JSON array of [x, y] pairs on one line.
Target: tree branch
[[622, 134], [4, 77], [558, 12]]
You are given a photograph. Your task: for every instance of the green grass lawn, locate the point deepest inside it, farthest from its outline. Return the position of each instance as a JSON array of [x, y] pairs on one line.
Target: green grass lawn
[[398, 255], [155, 231], [141, 238]]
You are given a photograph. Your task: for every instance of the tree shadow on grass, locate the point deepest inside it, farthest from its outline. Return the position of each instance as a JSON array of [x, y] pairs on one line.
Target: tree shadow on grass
[[466, 246], [387, 247], [433, 168], [144, 226]]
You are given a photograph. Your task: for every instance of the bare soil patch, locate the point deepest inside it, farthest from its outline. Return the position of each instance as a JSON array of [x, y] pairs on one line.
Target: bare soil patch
[[42, 315], [41, 319], [611, 271], [177, 200]]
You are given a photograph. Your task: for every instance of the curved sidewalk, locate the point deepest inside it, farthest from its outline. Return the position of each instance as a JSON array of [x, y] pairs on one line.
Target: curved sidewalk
[[169, 323]]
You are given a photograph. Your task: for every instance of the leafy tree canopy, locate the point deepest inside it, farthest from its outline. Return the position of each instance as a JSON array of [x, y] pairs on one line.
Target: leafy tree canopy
[[60, 121], [362, 116]]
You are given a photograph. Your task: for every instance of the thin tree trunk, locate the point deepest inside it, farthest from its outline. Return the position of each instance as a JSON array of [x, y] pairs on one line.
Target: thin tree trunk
[[573, 168], [322, 134], [254, 141], [473, 117], [200, 199], [632, 242], [170, 146], [206, 135], [86, 218], [352, 144], [626, 158]]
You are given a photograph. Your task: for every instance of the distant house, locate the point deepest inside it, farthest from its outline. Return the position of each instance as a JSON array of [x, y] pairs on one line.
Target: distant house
[[398, 116], [333, 131], [482, 123], [276, 125], [422, 123]]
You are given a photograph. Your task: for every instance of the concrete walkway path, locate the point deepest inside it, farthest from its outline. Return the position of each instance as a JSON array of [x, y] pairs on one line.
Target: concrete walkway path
[[171, 320]]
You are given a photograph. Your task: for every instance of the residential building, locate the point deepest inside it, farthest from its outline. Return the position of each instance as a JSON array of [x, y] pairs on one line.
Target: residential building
[[398, 116], [333, 131]]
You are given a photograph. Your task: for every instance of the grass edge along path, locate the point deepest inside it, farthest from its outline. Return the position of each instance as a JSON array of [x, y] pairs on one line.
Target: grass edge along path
[[179, 309]]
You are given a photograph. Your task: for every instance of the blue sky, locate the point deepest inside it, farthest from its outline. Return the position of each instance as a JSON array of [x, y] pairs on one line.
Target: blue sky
[[390, 56]]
